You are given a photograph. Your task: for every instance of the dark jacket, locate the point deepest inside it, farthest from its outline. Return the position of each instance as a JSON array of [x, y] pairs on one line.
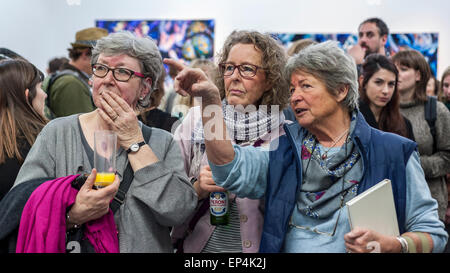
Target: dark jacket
[[10, 168], [11, 208], [159, 119], [384, 155]]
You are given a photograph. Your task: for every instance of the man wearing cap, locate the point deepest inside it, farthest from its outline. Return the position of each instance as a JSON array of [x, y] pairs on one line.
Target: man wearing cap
[[69, 91]]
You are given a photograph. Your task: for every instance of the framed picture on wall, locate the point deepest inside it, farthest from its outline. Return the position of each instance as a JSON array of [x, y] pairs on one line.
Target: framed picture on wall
[[179, 39], [425, 43]]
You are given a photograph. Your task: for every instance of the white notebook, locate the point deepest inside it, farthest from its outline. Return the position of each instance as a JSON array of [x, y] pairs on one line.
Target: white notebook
[[374, 209]]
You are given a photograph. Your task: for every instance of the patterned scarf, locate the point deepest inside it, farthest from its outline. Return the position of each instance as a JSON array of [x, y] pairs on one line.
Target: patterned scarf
[[326, 181]]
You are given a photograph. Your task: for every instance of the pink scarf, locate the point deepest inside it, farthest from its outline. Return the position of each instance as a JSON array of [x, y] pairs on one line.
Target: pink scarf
[[43, 223]]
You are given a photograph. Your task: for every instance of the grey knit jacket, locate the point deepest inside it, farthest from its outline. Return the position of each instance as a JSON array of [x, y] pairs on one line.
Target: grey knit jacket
[[434, 165], [159, 197]]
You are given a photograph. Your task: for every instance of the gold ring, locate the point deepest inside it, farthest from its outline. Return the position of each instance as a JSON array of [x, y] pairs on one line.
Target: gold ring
[[114, 119]]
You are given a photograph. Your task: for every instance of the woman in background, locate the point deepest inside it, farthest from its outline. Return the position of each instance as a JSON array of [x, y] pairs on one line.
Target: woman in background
[[21, 116], [414, 73], [379, 101], [444, 97], [444, 90], [432, 86]]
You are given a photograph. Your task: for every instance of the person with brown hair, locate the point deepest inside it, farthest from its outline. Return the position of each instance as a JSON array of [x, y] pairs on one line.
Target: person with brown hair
[[444, 97], [433, 86], [379, 98], [372, 38], [414, 73], [21, 116], [298, 45], [444, 88]]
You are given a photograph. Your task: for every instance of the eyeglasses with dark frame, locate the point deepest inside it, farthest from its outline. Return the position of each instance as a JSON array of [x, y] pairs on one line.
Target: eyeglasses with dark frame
[[119, 73], [245, 70]]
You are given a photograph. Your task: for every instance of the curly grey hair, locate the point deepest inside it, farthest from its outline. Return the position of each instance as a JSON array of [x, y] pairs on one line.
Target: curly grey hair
[[144, 49], [329, 63]]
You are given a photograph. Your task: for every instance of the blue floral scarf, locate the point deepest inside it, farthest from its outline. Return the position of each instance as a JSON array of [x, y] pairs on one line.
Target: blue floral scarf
[[325, 182]]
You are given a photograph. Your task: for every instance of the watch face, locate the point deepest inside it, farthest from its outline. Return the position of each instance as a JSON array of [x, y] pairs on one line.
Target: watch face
[[134, 147]]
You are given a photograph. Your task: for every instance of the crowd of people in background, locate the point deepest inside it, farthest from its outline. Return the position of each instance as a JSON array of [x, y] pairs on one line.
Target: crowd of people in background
[[292, 135]]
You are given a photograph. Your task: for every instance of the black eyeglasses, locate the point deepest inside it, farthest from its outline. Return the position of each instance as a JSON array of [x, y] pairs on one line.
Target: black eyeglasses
[[245, 70], [119, 73]]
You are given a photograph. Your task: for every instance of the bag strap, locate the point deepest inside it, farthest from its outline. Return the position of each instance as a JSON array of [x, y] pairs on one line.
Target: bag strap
[[430, 117], [128, 176], [179, 245]]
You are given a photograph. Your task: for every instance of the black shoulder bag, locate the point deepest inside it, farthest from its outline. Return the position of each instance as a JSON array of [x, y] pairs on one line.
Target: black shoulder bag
[[430, 117]]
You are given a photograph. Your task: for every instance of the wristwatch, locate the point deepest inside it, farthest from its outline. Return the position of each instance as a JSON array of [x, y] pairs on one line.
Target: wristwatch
[[135, 147]]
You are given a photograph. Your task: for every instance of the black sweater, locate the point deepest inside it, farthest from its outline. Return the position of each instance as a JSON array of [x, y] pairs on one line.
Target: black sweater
[[10, 168]]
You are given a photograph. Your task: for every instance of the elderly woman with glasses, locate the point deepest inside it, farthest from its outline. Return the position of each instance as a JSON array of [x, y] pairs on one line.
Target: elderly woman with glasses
[[252, 92], [326, 158], [126, 69]]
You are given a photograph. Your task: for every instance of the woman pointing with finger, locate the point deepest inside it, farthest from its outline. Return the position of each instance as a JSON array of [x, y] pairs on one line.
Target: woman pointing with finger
[[252, 95]]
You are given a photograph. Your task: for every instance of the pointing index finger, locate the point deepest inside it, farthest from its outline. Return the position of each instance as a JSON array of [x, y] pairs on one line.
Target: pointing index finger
[[179, 67], [174, 63]]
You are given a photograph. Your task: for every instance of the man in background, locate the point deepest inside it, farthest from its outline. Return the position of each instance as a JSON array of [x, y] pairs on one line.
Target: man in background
[[372, 37], [68, 90]]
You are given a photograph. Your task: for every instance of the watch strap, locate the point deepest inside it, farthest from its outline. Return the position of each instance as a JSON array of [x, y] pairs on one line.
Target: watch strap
[[140, 144], [128, 176]]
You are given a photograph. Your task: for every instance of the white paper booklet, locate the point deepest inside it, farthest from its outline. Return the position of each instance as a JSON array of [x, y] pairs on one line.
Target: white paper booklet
[[374, 209]]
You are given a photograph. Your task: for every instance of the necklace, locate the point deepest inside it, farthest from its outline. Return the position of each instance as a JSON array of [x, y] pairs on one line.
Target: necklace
[[325, 154], [341, 205]]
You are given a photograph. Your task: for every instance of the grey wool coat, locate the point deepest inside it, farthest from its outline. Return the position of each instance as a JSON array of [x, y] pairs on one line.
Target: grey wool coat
[[159, 197]]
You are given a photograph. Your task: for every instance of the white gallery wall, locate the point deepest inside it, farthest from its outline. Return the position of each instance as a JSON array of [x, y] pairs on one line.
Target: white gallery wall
[[42, 29]]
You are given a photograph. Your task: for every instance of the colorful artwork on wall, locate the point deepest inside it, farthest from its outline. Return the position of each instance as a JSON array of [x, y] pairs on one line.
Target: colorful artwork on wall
[[426, 43], [180, 39]]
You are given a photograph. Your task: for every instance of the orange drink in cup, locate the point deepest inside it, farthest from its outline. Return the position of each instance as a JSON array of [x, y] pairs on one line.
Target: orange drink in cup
[[105, 144], [104, 179]]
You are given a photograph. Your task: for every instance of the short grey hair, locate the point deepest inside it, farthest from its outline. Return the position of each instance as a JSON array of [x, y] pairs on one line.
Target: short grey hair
[[144, 49], [329, 63]]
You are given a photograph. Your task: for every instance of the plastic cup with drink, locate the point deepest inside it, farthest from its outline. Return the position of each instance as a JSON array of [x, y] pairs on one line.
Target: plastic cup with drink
[[105, 144]]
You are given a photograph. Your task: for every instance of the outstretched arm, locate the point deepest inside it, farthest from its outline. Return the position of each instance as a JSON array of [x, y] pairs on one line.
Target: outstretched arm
[[194, 82]]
